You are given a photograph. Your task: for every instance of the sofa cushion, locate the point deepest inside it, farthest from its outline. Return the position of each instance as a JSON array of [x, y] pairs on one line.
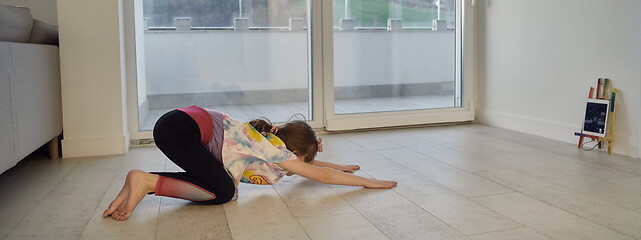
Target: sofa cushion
[[15, 24], [43, 33]]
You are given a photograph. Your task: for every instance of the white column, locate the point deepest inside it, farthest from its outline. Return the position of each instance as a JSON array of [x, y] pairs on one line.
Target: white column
[[93, 78]]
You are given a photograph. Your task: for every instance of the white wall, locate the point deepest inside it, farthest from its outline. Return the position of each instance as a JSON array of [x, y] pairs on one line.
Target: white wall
[[43, 10], [537, 60], [93, 78]]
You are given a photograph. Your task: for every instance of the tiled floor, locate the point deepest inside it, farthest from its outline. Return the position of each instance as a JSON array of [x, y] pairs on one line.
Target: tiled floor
[[455, 182]]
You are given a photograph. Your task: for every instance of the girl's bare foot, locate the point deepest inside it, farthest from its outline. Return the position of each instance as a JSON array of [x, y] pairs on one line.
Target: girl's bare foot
[[137, 185], [122, 196]]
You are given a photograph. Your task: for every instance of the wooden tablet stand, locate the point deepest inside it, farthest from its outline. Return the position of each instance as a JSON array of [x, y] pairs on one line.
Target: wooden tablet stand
[[602, 93]]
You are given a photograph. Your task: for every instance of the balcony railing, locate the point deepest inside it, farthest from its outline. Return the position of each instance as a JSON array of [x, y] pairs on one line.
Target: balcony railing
[[298, 24]]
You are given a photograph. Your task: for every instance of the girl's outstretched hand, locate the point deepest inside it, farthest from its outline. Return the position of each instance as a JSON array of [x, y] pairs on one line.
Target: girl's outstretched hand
[[380, 184], [349, 168]]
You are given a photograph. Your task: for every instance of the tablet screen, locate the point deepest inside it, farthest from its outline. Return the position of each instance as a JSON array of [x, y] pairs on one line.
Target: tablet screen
[[596, 114]]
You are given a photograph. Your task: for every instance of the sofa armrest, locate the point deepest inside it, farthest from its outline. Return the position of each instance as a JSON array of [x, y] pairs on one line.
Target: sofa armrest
[[7, 120], [36, 94]]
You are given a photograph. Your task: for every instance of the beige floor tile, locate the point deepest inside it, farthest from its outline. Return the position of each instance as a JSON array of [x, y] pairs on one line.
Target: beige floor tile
[[512, 234], [40, 176], [147, 159], [181, 219], [474, 144], [83, 182], [584, 167], [372, 140], [305, 198], [471, 162], [631, 182], [602, 159], [580, 177], [427, 146], [58, 217], [533, 141], [596, 210], [451, 177], [507, 146], [142, 224], [89, 175], [147, 152], [558, 165], [296, 186], [594, 187], [345, 226], [548, 220], [467, 145], [413, 137], [595, 158], [318, 207], [21, 165], [368, 158], [338, 143], [456, 210], [401, 153], [395, 216], [259, 213], [464, 161], [26, 190], [451, 207]]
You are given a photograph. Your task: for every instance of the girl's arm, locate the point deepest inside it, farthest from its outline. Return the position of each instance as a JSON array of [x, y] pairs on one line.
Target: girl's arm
[[344, 168], [331, 176]]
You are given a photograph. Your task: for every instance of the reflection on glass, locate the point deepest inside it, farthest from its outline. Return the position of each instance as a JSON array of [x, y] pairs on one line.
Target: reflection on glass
[[394, 55], [196, 53]]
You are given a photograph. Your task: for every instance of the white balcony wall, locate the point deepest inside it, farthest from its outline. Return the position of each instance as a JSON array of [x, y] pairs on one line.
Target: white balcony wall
[[230, 61], [400, 57]]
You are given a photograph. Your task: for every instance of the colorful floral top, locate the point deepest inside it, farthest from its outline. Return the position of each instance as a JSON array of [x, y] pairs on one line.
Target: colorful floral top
[[250, 157], [247, 155]]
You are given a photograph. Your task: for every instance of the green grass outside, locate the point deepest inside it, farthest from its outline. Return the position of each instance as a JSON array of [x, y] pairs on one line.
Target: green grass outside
[[374, 13]]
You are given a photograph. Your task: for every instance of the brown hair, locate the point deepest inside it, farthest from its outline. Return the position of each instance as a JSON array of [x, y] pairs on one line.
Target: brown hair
[[298, 136]]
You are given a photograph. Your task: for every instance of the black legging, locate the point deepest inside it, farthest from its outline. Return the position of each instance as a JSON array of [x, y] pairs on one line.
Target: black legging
[[177, 135]]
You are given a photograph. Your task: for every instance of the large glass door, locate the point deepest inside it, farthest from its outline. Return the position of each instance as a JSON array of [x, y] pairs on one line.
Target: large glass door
[[247, 58], [394, 63], [340, 64]]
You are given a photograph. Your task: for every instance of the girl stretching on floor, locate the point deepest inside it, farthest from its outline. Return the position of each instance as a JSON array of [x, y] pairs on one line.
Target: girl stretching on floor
[[218, 152]]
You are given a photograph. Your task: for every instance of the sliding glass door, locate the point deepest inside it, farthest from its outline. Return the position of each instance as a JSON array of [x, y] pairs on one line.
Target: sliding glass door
[[247, 58], [395, 63], [340, 64]]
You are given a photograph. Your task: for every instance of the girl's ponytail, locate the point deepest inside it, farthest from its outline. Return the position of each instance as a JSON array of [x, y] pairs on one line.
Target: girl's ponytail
[[298, 136]]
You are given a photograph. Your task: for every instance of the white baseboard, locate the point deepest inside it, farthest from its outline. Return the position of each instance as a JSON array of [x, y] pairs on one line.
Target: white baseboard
[[98, 146], [624, 143]]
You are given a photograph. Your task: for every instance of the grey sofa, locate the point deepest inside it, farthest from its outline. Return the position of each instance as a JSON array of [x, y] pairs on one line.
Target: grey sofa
[[30, 98]]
